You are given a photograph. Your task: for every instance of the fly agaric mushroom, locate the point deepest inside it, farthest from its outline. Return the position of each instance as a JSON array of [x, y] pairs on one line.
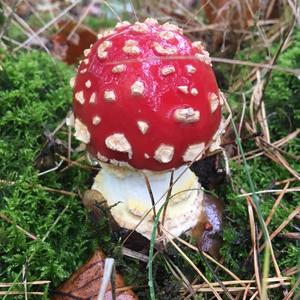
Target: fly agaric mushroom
[[146, 102]]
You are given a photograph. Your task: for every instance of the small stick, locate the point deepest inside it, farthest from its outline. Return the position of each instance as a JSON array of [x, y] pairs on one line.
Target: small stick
[[40, 282], [291, 292], [211, 288], [291, 235], [255, 253], [134, 254], [152, 199], [107, 276], [168, 197], [30, 235]]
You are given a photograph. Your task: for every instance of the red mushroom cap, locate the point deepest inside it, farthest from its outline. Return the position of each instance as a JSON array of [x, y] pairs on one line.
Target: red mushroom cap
[[146, 95]]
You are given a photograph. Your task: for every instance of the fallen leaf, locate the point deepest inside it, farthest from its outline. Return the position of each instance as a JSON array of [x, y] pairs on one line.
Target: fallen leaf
[[85, 283], [208, 230], [69, 43]]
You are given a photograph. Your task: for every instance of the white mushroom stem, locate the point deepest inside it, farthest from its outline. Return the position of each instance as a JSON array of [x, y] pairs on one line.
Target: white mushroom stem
[[126, 192]]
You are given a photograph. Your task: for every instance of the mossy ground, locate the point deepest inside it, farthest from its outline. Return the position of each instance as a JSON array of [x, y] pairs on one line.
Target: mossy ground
[[34, 98]]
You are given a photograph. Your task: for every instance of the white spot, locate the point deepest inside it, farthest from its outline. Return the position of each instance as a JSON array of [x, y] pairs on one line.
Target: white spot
[[88, 84], [190, 69], [80, 97], [214, 101], [183, 88], [143, 126], [140, 27], [161, 50], [118, 142], [109, 96], [86, 61], [72, 82], [151, 21], [186, 115], [164, 153], [172, 27], [203, 57], [81, 132], [118, 68], [194, 91], [121, 25], [122, 164], [102, 55], [108, 32], [83, 71], [167, 70], [96, 120], [102, 157], [198, 45], [193, 152], [146, 155], [86, 52], [101, 51], [167, 35], [93, 98], [131, 47], [137, 88], [100, 36]]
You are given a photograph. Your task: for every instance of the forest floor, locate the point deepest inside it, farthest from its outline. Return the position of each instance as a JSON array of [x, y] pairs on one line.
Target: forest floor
[[45, 231]]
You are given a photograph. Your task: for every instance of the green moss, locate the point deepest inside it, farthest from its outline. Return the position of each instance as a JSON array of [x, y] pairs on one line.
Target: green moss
[[283, 93], [34, 97], [237, 238]]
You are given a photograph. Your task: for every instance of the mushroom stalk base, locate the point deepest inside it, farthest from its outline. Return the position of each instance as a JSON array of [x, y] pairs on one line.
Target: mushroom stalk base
[[126, 192]]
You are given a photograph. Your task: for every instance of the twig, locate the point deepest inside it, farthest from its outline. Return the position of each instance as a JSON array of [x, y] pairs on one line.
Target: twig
[[134, 254], [83, 16], [49, 24], [38, 282], [275, 205], [276, 191], [292, 291], [178, 274], [107, 275], [291, 235], [282, 226], [255, 254], [295, 72], [170, 238], [168, 196], [8, 293], [152, 199], [211, 259], [9, 17], [30, 235]]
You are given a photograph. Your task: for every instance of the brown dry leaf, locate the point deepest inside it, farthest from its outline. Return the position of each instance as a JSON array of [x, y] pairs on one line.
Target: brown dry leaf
[[70, 42], [208, 230], [85, 283]]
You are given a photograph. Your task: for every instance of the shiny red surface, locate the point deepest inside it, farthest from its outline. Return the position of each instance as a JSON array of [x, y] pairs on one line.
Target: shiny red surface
[[157, 104]]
